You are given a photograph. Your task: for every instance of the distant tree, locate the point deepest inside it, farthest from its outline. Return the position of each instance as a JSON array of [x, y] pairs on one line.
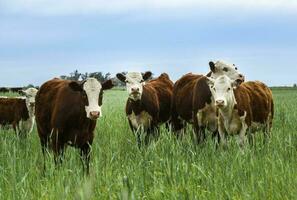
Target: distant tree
[[64, 77], [295, 85], [84, 76], [98, 75], [30, 86], [75, 75], [107, 76]]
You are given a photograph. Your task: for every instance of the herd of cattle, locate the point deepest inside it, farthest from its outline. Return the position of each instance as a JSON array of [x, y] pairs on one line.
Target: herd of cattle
[[220, 102]]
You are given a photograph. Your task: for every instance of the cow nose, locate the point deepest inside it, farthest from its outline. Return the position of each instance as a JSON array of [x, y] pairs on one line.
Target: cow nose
[[220, 102], [94, 114], [134, 90]]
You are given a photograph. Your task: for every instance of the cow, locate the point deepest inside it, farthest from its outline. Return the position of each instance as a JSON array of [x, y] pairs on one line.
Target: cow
[[66, 114], [191, 96], [19, 111], [148, 104], [242, 108]]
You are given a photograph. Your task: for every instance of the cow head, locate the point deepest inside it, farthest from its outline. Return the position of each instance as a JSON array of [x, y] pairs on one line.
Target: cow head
[[30, 94], [222, 91], [221, 68], [134, 83], [92, 93]]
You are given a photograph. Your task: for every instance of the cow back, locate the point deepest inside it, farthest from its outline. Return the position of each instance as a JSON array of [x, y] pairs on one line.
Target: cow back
[[183, 96], [258, 97], [163, 87], [13, 110], [59, 107]]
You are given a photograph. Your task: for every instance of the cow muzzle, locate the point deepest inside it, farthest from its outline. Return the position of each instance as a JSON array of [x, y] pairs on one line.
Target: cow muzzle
[[220, 103], [135, 95], [241, 78], [94, 115]]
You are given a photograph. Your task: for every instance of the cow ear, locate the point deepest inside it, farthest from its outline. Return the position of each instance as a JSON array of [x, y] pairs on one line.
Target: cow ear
[[147, 75], [76, 86], [22, 92], [212, 66], [121, 77], [236, 83], [107, 85]]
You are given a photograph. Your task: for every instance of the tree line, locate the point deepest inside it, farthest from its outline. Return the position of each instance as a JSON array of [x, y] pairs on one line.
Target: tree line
[[100, 76]]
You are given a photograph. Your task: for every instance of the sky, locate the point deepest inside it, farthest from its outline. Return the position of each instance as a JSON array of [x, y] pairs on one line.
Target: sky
[[42, 39]]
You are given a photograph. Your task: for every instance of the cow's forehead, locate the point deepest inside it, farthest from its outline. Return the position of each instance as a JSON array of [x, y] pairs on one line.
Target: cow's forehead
[[134, 76], [221, 64], [222, 81], [31, 91], [92, 84]]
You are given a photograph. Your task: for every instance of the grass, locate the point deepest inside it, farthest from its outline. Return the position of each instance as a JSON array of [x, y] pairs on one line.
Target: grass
[[167, 169]]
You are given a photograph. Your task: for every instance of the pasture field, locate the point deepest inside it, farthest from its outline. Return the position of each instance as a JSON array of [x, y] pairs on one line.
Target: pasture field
[[166, 169]]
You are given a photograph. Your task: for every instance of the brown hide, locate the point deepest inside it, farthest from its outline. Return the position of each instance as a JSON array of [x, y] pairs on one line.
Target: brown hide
[[256, 99], [202, 95], [182, 99], [12, 111], [183, 96], [62, 110], [155, 99]]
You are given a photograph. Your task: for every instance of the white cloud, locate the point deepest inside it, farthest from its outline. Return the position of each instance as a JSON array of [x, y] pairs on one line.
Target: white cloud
[[68, 7]]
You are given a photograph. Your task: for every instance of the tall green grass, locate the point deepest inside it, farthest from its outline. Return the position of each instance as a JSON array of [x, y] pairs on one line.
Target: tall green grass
[[166, 169]]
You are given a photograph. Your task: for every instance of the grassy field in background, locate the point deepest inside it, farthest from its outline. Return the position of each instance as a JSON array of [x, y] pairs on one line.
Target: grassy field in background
[[167, 169]]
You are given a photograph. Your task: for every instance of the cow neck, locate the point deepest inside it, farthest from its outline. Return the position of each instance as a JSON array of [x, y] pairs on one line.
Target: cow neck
[[30, 111], [136, 106], [25, 110], [227, 113]]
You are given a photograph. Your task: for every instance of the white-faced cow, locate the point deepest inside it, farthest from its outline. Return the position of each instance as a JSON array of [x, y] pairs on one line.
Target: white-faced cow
[[204, 111], [19, 111], [248, 106], [192, 99], [66, 114], [148, 104]]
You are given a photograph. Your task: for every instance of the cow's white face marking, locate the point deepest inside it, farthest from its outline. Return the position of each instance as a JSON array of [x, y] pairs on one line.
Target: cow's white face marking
[[92, 88], [134, 85], [30, 95], [221, 68], [222, 92]]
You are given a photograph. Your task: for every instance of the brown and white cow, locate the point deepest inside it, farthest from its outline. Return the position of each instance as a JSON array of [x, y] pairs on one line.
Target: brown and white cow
[[19, 111], [66, 114], [191, 95], [148, 104], [241, 108]]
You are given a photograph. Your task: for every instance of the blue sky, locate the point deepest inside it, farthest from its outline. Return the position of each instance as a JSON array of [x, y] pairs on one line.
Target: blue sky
[[42, 39]]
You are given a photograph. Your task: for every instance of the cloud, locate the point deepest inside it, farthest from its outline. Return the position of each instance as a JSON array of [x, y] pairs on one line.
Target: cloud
[[74, 7]]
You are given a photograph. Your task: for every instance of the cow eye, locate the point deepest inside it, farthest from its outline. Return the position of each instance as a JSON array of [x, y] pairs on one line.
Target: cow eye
[[235, 68], [229, 89], [225, 69]]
